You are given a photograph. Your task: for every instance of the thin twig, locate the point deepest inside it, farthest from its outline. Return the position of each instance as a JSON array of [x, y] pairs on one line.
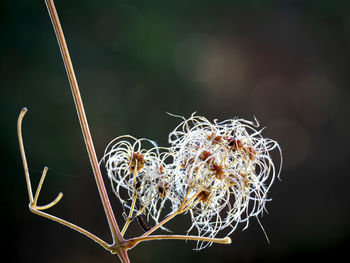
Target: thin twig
[[33, 200], [160, 224], [23, 154], [129, 219], [58, 198], [134, 241]]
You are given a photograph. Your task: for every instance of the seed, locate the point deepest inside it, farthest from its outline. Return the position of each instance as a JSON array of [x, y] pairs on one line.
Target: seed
[[218, 170], [137, 158], [204, 195], [162, 189]]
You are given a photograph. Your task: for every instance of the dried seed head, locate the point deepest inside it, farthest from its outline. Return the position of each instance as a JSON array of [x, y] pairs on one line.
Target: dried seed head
[[134, 173], [232, 159], [220, 172]]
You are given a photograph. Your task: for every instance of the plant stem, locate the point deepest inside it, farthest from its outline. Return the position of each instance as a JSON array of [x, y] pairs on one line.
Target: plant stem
[[33, 200], [116, 235], [123, 256], [23, 154], [34, 210], [160, 224], [128, 220], [134, 241], [54, 202]]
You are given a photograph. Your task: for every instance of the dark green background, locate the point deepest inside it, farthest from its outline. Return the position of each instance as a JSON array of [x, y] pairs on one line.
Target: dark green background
[[285, 62]]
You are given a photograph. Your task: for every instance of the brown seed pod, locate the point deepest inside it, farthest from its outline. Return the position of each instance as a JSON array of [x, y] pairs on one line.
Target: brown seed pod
[[162, 189], [205, 156], [137, 161], [218, 170], [234, 144], [204, 195]]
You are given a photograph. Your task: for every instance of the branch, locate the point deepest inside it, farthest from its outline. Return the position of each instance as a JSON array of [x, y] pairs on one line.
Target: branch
[[116, 235], [134, 241], [33, 200]]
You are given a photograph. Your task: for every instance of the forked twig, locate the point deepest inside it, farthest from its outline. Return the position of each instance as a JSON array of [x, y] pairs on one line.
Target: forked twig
[[33, 200], [128, 244]]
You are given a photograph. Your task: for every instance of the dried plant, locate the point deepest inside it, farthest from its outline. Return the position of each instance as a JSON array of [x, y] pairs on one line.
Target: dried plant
[[218, 172]]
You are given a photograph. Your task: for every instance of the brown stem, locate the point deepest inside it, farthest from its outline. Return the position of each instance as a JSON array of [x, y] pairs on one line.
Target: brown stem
[[134, 241], [160, 224], [34, 210], [33, 200], [117, 237], [123, 255], [23, 154]]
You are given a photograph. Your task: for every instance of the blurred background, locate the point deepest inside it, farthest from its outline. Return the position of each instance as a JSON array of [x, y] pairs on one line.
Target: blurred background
[[285, 62]]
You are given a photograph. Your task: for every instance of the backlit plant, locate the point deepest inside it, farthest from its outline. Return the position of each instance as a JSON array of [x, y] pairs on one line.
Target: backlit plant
[[217, 172]]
